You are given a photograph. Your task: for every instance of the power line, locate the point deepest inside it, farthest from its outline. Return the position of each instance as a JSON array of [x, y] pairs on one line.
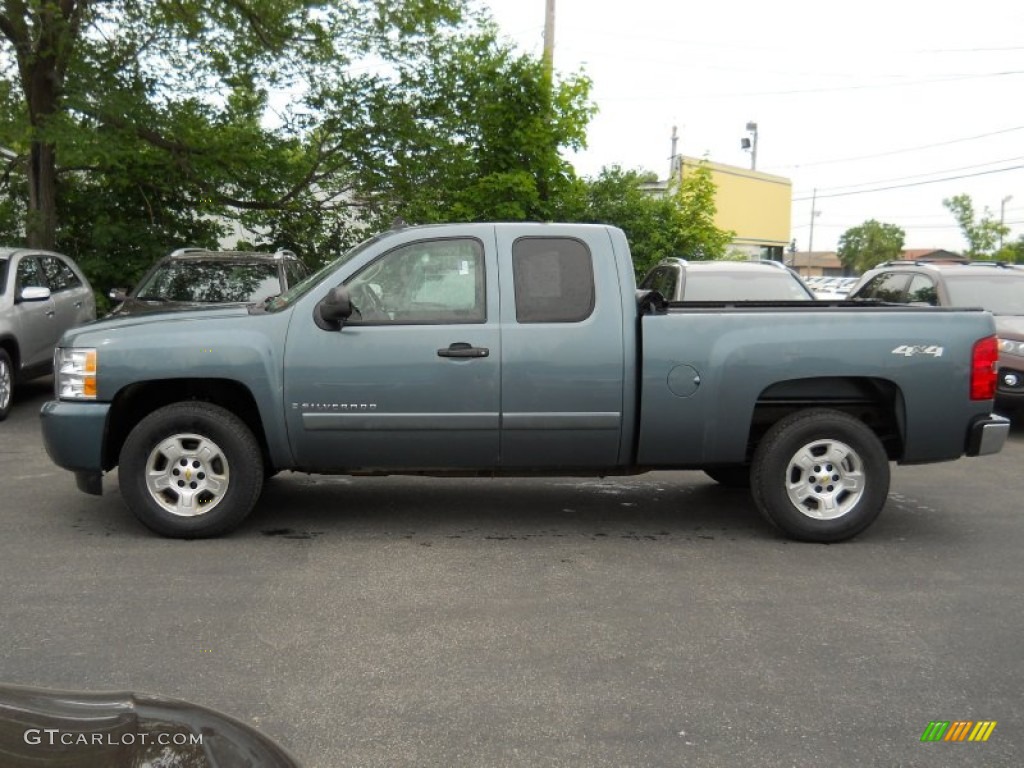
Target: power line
[[919, 175], [908, 149], [914, 184]]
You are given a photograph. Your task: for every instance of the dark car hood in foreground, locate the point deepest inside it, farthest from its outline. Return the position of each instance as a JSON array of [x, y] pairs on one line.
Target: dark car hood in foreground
[[41, 728]]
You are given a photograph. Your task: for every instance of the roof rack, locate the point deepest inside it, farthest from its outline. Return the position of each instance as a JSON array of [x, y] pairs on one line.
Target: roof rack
[[183, 251], [927, 262]]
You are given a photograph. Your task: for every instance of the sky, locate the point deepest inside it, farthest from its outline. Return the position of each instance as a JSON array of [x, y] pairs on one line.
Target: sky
[[926, 99]]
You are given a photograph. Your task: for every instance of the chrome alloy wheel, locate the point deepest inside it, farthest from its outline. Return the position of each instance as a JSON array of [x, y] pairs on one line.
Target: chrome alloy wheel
[[187, 474], [6, 384], [825, 479]]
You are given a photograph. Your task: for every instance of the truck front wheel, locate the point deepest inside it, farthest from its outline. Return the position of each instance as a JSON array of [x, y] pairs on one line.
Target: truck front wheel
[[820, 475], [191, 470]]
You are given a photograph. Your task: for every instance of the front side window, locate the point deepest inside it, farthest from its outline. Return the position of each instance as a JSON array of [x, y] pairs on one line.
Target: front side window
[[888, 287], [554, 280], [30, 275], [423, 283]]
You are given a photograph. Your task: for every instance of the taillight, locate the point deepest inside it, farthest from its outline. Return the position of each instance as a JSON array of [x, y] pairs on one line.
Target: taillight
[[984, 360]]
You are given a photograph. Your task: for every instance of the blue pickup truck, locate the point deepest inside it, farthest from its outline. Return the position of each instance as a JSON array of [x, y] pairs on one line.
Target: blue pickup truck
[[484, 349]]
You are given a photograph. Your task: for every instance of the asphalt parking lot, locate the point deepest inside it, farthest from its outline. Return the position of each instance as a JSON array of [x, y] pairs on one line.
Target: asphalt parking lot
[[645, 621]]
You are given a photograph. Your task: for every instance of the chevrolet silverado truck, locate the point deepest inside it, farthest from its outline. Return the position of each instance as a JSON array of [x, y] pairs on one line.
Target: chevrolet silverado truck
[[515, 349]]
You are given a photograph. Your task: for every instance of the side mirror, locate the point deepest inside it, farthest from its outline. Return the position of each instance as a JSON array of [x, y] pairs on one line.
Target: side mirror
[[118, 295], [333, 309], [34, 293]]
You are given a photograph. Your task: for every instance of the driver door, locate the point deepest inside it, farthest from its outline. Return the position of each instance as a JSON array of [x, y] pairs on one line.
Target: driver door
[[412, 379]]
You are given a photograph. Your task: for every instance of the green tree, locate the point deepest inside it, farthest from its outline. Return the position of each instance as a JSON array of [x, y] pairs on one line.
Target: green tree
[[169, 119], [482, 136], [1012, 252], [658, 226], [870, 244], [695, 197], [981, 233], [176, 95]]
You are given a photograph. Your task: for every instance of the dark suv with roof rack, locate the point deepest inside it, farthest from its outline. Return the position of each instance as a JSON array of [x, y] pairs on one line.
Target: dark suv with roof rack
[[196, 277], [992, 285]]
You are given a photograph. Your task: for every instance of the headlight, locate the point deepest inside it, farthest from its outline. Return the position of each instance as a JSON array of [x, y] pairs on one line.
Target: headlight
[[76, 373], [1011, 347]]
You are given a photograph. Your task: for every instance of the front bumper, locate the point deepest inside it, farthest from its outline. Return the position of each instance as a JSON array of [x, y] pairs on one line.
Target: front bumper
[[987, 435], [73, 435]]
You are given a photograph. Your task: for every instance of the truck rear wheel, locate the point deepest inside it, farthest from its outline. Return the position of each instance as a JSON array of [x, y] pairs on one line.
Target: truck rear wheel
[[191, 470], [820, 475]]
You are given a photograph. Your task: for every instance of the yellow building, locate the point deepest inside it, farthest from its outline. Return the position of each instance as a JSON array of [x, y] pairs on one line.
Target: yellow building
[[754, 205]]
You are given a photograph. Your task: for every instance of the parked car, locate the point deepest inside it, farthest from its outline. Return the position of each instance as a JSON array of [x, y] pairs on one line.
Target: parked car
[[682, 280], [196, 277], [42, 294], [833, 288], [517, 349], [995, 286]]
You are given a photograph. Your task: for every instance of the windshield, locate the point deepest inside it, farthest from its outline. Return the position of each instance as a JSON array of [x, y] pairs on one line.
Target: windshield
[[3, 276], [1000, 294], [302, 288], [210, 282], [743, 286]]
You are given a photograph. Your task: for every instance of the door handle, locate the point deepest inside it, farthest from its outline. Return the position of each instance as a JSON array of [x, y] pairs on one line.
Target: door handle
[[462, 349], [50, 313]]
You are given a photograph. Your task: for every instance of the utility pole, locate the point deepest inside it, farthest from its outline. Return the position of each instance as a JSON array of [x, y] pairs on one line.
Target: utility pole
[[673, 162], [1002, 217], [549, 35], [814, 214]]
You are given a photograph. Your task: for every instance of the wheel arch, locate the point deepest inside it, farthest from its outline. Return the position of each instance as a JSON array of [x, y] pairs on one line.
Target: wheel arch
[[136, 401], [875, 401], [10, 344]]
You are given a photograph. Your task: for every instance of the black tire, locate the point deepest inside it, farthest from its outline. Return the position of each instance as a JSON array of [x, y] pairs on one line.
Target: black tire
[[191, 470], [820, 475], [734, 476], [6, 384]]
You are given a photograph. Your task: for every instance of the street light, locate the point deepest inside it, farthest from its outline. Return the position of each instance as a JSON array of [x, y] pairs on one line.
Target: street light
[[1002, 216], [751, 144]]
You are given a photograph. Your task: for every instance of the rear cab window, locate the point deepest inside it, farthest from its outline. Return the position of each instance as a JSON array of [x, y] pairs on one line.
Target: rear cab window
[[553, 279]]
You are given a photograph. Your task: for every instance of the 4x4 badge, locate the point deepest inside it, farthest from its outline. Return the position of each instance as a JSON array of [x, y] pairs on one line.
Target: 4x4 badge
[[910, 350]]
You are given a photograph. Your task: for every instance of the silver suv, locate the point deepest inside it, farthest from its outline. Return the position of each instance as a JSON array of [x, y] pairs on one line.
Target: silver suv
[[42, 294], [681, 280]]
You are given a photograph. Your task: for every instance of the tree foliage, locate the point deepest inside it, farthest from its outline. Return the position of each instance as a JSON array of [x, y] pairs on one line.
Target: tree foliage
[[870, 244], [983, 233], [307, 122], [680, 223], [695, 197]]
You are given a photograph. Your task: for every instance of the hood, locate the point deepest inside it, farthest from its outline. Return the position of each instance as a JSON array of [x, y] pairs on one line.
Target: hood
[[1010, 326], [131, 306], [189, 315]]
